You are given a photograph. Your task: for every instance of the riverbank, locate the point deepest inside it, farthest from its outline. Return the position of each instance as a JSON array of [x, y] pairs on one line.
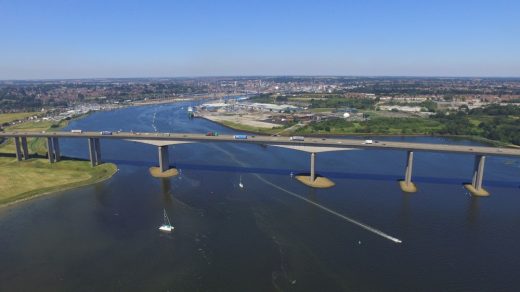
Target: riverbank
[[237, 125], [23, 180], [20, 181], [286, 131]]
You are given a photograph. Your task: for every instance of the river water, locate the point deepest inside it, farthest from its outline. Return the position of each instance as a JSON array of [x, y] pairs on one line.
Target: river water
[[275, 234]]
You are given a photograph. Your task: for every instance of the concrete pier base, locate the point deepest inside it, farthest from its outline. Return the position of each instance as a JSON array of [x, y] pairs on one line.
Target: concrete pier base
[[476, 192], [407, 187], [164, 169], [475, 188], [319, 182], [312, 179], [156, 172]]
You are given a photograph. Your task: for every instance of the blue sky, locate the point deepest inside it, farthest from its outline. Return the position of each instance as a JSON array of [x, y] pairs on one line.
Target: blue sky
[[76, 39]]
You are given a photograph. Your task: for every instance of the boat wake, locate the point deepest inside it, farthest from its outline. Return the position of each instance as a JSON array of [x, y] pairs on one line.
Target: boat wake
[[353, 221], [348, 219]]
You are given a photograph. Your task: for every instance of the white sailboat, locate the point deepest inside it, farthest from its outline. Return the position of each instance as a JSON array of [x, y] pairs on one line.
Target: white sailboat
[[166, 227], [240, 184]]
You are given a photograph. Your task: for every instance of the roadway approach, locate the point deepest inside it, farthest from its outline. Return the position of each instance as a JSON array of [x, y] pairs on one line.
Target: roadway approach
[[311, 145]]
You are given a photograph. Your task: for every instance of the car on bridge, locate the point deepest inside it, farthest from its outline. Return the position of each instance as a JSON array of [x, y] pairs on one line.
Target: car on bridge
[[297, 138]]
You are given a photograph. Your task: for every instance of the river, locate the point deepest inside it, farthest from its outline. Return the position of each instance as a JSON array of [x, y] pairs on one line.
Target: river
[[275, 234]]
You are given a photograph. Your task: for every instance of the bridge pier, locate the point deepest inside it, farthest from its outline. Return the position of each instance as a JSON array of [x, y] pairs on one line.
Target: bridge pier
[[56, 149], [164, 169], [94, 151], [407, 185], [312, 179], [18, 148], [475, 188], [50, 150], [25, 149], [97, 144], [313, 162], [164, 158]]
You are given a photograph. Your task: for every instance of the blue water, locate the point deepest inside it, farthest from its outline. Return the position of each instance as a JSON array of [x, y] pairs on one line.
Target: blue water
[[267, 236]]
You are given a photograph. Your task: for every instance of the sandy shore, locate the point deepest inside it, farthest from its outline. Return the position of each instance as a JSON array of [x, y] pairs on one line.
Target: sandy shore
[[252, 120]]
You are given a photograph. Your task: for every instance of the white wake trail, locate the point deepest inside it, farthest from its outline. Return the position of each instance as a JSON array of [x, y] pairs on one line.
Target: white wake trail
[[353, 221]]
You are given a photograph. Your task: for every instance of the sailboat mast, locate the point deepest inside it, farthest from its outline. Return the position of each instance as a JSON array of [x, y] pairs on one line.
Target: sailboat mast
[[166, 219]]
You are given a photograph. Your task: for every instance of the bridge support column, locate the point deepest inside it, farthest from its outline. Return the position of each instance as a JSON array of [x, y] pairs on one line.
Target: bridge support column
[[97, 147], [56, 149], [313, 162], [312, 179], [475, 188], [164, 169], [164, 158], [25, 149], [407, 185], [92, 151], [50, 150], [18, 148]]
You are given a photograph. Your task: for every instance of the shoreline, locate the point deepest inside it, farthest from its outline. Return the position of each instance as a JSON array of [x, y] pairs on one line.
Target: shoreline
[[110, 168], [58, 189], [322, 135]]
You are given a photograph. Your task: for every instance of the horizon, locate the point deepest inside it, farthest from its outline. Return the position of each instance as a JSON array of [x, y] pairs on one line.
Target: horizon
[[267, 76], [59, 40]]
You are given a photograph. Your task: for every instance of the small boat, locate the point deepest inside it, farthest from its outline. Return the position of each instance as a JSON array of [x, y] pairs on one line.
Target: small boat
[[166, 227], [240, 184]]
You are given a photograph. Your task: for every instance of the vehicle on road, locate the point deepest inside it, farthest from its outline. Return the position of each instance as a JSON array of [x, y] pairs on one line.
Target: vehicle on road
[[240, 137], [106, 133], [368, 142], [297, 138], [76, 131], [212, 134]]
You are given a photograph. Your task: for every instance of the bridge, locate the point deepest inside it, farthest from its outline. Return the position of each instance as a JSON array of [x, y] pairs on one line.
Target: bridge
[[312, 145]]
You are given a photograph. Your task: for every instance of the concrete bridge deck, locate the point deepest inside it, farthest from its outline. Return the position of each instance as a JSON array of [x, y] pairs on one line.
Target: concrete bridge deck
[[312, 145], [164, 138]]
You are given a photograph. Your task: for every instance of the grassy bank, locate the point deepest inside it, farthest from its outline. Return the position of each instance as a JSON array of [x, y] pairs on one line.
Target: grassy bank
[[377, 127], [36, 176], [22, 180], [11, 117]]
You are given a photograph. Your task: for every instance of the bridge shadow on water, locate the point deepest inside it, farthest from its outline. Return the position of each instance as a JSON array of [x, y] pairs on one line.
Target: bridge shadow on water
[[329, 174]]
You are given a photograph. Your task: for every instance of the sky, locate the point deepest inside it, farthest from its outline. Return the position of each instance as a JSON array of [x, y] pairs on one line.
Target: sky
[[177, 38]]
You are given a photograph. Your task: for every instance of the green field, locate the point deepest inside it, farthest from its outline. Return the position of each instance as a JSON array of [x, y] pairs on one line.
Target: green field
[[386, 126], [24, 179], [7, 118], [21, 180]]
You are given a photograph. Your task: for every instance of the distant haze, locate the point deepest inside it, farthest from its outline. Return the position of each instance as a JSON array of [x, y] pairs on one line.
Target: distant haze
[[83, 39]]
